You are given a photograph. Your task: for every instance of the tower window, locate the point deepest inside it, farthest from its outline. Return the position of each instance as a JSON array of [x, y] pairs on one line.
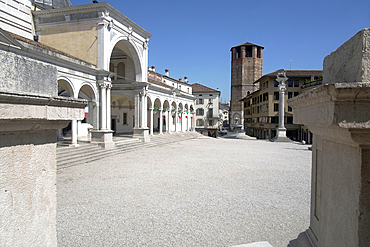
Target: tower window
[[248, 51]]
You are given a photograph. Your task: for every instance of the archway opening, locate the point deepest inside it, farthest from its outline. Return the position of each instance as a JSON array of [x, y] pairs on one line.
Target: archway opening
[[122, 114]]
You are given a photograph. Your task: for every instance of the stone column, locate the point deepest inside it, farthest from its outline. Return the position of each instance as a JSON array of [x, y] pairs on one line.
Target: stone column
[[108, 105], [160, 121], [168, 120], [281, 130], [103, 105], [143, 110], [104, 136], [137, 109], [141, 130], [337, 113], [176, 116], [74, 133], [151, 120]]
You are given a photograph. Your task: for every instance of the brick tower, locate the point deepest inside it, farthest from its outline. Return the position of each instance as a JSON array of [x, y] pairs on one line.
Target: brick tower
[[246, 68]]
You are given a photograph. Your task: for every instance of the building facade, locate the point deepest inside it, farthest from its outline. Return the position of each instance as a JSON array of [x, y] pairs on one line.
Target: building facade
[[261, 108], [246, 68], [207, 118], [112, 74]]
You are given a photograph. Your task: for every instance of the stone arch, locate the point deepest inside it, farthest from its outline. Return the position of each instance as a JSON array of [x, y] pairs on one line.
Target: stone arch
[[89, 90], [66, 84], [131, 48]]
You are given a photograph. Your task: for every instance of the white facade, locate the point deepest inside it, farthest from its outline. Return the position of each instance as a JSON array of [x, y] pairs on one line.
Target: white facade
[[207, 117], [111, 74]]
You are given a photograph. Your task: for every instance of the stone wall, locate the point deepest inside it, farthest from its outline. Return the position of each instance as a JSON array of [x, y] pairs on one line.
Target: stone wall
[[21, 74]]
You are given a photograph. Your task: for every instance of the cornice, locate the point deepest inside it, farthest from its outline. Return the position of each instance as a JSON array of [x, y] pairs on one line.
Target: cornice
[[98, 7]]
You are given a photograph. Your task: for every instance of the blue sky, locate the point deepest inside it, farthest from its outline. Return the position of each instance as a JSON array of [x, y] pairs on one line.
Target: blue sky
[[193, 38]]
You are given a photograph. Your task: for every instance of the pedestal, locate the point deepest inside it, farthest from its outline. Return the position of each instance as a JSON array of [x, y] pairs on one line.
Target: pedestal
[[142, 134], [337, 115], [281, 135], [103, 138]]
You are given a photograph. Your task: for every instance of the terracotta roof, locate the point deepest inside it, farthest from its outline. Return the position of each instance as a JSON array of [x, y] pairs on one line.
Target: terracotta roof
[[159, 83], [294, 73], [38, 44], [247, 44], [197, 88]]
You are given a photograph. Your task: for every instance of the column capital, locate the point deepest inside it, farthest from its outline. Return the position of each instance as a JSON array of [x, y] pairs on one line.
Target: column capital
[[105, 84]]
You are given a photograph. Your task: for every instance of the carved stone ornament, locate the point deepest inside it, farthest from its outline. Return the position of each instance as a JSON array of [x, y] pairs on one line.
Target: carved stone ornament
[[145, 44], [281, 76], [129, 35]]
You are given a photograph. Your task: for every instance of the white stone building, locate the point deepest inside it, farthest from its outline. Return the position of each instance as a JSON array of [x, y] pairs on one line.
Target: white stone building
[[207, 118], [112, 73]]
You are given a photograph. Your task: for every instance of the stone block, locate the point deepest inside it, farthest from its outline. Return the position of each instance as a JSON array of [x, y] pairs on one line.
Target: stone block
[[21, 74], [350, 62]]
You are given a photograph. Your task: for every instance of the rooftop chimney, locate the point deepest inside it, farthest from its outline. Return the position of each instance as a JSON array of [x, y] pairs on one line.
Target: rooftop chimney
[[185, 79], [167, 72], [180, 79], [153, 68]]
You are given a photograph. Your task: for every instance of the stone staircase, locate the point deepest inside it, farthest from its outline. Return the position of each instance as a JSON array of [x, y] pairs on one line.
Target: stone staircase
[[87, 152]]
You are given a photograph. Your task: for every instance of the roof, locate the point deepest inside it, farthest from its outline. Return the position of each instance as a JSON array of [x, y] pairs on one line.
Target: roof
[[247, 44], [159, 83], [198, 88], [294, 73]]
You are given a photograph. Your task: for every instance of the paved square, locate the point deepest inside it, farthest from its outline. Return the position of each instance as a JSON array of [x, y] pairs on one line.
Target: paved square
[[200, 192]]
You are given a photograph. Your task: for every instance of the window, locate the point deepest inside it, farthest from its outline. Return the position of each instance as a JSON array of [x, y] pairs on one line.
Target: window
[[124, 120], [265, 96], [199, 101], [211, 101], [290, 95], [263, 86], [210, 113], [296, 83], [200, 112], [290, 109], [274, 119], [276, 83], [276, 95], [267, 107], [296, 94], [261, 98], [121, 69], [188, 90], [290, 83], [200, 122], [211, 95], [245, 104], [276, 107], [210, 122], [289, 120], [267, 84], [179, 87]]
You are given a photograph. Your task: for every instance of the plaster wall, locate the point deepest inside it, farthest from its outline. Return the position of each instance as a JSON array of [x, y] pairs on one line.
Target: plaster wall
[[77, 40], [28, 188], [20, 74]]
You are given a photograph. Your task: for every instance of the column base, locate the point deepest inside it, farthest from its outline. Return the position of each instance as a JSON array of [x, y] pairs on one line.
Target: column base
[[103, 138], [142, 134], [281, 135], [74, 145], [305, 239]]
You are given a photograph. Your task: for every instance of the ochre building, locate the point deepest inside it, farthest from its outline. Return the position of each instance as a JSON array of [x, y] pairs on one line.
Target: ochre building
[[261, 108]]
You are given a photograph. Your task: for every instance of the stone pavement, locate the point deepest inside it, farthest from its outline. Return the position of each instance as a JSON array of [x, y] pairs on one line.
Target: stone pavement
[[200, 192]]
